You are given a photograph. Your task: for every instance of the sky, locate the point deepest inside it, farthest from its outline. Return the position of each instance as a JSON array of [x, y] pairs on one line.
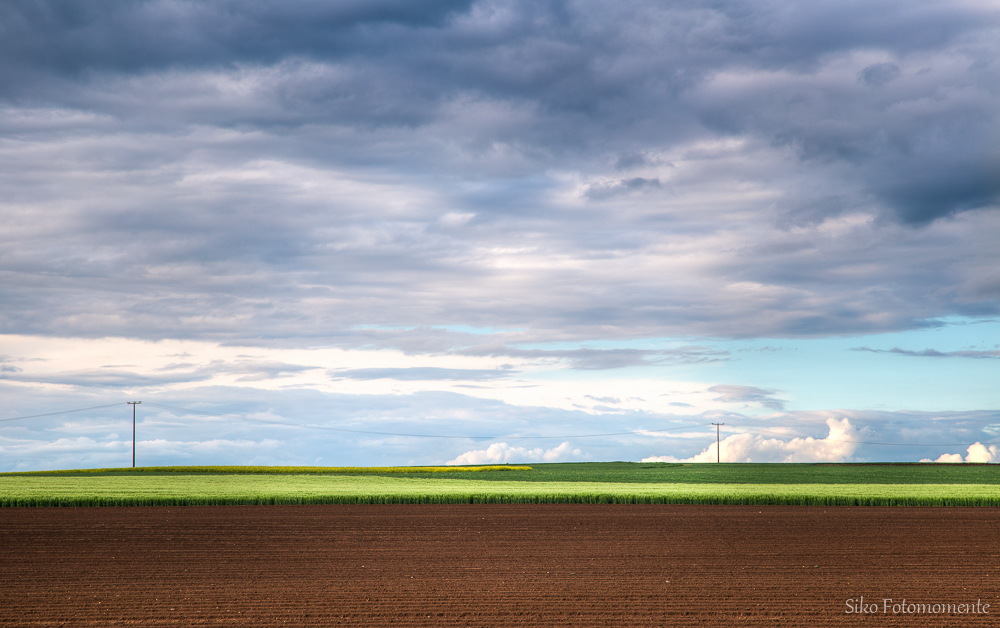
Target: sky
[[459, 232]]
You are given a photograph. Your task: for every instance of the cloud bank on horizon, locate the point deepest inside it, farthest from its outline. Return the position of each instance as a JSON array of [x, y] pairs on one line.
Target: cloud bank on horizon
[[557, 218]]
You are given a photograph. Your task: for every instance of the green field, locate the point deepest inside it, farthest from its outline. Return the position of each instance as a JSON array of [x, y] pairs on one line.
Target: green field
[[747, 473], [423, 471], [758, 484]]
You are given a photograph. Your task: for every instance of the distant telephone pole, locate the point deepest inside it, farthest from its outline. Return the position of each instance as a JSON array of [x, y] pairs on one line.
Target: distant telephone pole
[[133, 404], [718, 455]]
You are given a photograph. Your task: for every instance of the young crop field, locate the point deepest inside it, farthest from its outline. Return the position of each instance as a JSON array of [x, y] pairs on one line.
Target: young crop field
[[740, 473], [627, 483]]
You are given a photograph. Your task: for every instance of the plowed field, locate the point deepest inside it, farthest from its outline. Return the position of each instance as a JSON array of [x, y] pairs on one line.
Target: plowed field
[[494, 565]]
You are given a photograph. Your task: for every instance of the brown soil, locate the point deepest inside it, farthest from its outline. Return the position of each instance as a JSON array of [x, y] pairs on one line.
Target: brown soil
[[493, 565]]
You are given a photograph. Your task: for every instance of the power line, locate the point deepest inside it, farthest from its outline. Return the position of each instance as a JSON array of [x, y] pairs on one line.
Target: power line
[[350, 431], [38, 416], [452, 436], [486, 437]]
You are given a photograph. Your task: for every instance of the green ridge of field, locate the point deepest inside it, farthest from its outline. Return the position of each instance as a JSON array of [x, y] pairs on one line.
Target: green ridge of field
[[274, 470], [753, 473], [234, 489], [624, 472], [620, 472]]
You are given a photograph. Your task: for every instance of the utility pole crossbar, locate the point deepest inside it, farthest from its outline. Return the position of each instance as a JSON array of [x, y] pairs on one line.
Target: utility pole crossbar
[[718, 454], [133, 404]]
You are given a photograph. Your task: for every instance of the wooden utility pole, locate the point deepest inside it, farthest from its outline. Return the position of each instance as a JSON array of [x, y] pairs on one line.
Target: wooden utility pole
[[718, 454], [133, 404]]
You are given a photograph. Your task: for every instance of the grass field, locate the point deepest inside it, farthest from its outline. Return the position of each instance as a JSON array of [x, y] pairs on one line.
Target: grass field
[[758, 484]]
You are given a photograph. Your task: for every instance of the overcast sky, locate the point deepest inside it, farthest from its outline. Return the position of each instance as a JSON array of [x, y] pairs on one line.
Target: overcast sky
[[369, 230]]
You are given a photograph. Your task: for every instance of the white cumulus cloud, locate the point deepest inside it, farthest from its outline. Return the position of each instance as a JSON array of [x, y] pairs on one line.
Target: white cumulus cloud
[[502, 452], [977, 452], [839, 445]]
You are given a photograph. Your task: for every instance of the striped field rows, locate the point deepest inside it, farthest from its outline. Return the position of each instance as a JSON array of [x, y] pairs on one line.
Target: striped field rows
[[234, 489]]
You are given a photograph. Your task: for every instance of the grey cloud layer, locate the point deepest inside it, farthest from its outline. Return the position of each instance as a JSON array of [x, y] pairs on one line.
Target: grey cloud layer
[[732, 393], [934, 353], [118, 376], [576, 75], [570, 169], [600, 359], [421, 373]]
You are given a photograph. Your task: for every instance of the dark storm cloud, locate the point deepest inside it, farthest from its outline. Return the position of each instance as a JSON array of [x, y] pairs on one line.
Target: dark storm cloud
[[878, 74], [279, 171], [632, 74], [73, 36]]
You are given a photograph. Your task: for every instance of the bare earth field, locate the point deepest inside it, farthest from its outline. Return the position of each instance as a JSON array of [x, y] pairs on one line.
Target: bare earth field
[[494, 565]]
